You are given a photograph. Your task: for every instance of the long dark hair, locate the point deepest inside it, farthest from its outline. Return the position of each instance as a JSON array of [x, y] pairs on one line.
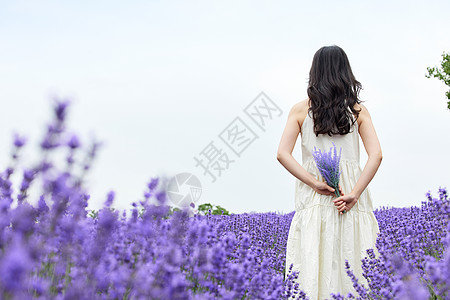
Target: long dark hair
[[332, 88]]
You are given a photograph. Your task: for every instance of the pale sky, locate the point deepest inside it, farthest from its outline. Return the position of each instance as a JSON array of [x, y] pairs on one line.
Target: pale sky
[[159, 80]]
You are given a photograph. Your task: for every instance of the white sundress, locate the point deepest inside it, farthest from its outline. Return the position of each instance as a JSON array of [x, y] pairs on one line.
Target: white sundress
[[320, 239]]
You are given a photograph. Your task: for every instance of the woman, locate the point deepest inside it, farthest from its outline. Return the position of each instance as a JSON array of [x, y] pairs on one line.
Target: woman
[[325, 230]]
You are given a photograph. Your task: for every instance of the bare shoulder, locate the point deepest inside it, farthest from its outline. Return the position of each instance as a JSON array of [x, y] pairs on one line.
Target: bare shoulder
[[363, 113], [300, 106], [299, 111]]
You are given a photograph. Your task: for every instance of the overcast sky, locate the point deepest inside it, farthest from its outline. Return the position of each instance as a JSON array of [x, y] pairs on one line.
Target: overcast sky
[[158, 81]]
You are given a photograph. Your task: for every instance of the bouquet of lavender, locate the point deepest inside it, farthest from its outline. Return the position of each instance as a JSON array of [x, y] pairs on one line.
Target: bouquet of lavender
[[329, 167]]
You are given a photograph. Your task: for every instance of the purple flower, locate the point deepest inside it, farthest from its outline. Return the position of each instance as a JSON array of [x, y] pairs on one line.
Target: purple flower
[[42, 206], [151, 189], [328, 166], [48, 143], [60, 109], [23, 218], [161, 197], [110, 199], [14, 266], [153, 183], [107, 220], [40, 286], [73, 142], [19, 141]]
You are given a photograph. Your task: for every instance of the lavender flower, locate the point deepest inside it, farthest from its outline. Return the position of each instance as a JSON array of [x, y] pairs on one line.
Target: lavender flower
[[57, 251], [73, 142], [19, 141], [329, 166]]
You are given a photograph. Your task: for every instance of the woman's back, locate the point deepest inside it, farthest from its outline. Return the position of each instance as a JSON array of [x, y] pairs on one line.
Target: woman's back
[[349, 162], [320, 239], [348, 142], [326, 231]]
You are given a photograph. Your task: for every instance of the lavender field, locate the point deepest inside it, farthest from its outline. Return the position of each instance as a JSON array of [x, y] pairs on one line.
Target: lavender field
[[58, 249]]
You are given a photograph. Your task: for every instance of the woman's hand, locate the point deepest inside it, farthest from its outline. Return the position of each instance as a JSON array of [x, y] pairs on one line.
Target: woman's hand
[[324, 189], [345, 202]]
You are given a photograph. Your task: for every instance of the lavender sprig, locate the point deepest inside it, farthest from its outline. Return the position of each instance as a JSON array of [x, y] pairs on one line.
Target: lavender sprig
[[329, 166]]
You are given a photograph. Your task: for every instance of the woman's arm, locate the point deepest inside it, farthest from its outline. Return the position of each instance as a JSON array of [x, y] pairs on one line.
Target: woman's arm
[[287, 143], [373, 149]]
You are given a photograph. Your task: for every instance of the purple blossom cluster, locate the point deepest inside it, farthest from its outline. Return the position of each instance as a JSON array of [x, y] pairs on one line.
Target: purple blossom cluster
[[414, 248], [58, 249], [328, 166]]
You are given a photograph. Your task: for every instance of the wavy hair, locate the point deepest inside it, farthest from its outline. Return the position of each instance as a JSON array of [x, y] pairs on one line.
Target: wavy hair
[[332, 89]]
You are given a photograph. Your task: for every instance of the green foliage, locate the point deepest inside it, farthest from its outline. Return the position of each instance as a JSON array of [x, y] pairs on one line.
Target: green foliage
[[172, 210], [168, 212], [93, 214], [442, 73], [209, 209], [203, 209]]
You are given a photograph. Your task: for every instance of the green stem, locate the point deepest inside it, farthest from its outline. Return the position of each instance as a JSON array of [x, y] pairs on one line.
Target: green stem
[[336, 191]]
